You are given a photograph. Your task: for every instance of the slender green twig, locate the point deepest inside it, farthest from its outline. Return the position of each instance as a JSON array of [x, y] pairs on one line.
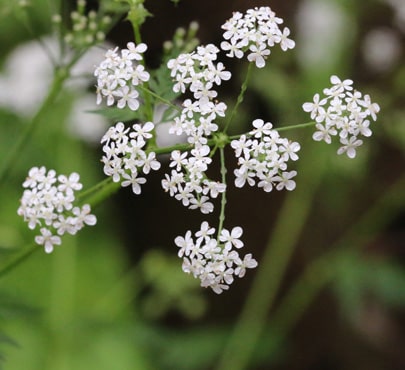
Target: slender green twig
[[292, 127], [158, 97], [17, 259], [284, 128], [148, 107], [60, 76], [223, 196], [240, 98]]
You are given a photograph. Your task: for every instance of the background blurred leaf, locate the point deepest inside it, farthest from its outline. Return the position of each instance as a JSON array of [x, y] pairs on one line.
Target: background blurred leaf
[[360, 277]]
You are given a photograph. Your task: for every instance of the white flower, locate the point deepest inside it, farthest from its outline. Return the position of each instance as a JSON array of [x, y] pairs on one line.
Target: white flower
[[258, 55], [135, 51], [349, 146], [288, 150], [83, 216], [284, 180], [324, 133], [234, 48], [184, 244], [285, 42], [261, 128], [203, 204], [133, 180], [127, 97], [315, 108], [371, 108], [231, 238], [178, 159], [144, 130], [338, 84], [47, 239], [150, 163], [205, 232], [69, 184], [248, 262]]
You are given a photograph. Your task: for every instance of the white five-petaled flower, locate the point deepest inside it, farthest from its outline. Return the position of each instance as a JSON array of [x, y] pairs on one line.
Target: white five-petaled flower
[[47, 239], [231, 238]]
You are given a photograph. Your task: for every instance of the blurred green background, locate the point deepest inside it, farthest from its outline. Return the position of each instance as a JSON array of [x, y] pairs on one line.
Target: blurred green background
[[114, 296]]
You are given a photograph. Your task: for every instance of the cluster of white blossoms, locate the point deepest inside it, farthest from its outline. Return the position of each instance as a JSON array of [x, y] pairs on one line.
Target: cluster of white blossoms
[[188, 182], [198, 73], [263, 157], [344, 112], [213, 260], [119, 75], [124, 155], [48, 202], [255, 33]]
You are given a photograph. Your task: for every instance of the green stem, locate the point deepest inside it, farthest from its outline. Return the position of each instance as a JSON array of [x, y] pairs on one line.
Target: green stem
[[17, 259], [148, 107], [284, 128], [61, 74], [158, 97], [300, 125], [274, 262], [223, 196], [240, 97]]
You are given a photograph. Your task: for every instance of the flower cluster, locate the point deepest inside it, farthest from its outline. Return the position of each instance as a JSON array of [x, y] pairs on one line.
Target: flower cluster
[[199, 73], [192, 187], [342, 111], [124, 155], [255, 32], [263, 155], [118, 76], [212, 260], [48, 202]]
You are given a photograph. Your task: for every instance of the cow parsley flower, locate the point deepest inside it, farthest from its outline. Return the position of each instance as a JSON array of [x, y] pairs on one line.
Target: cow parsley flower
[[199, 73], [213, 260], [263, 157], [48, 203], [255, 33], [119, 74], [125, 156], [343, 112], [188, 181]]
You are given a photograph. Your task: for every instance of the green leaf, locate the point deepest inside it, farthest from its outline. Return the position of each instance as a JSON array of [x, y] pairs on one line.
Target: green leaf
[[359, 277], [116, 114]]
